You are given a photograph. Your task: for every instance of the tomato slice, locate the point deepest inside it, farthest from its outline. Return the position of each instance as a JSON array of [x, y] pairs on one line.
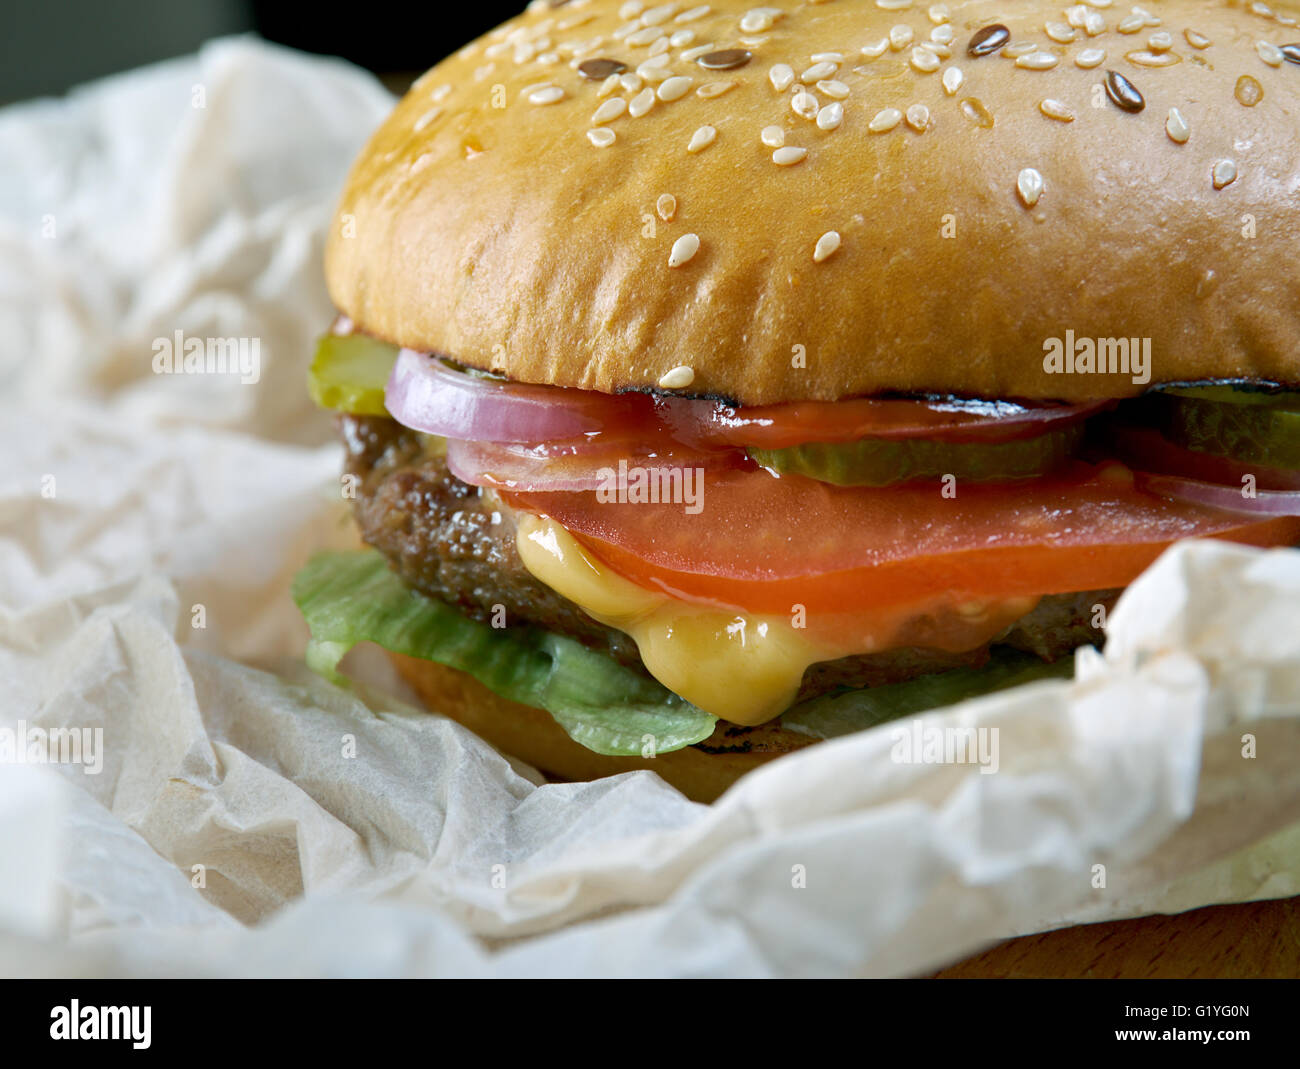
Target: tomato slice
[[766, 544]]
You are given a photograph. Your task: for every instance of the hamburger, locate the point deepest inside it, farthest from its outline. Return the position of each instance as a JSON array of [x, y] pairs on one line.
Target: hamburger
[[715, 379]]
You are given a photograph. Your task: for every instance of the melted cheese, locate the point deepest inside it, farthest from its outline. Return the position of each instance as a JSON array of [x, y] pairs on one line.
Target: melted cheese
[[743, 667]]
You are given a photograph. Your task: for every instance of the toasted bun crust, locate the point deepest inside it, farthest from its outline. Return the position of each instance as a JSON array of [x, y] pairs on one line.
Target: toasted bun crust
[[502, 236], [701, 773]]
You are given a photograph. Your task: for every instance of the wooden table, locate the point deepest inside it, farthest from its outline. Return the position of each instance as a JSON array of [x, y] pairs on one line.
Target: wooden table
[[1254, 939]]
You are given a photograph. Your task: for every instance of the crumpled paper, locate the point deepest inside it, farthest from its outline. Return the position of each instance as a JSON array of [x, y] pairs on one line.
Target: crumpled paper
[[248, 818]]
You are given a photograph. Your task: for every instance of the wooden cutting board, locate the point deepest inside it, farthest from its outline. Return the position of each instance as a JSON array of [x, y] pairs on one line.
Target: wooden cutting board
[[1253, 939]]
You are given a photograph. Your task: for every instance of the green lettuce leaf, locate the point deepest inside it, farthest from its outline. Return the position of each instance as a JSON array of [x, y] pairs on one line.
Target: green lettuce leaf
[[829, 715], [348, 598]]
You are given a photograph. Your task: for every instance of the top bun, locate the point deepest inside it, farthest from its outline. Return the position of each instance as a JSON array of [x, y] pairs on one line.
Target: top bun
[[489, 220]]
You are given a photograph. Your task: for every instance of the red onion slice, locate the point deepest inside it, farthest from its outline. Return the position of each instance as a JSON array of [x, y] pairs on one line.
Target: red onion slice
[[426, 395], [1227, 498], [571, 467]]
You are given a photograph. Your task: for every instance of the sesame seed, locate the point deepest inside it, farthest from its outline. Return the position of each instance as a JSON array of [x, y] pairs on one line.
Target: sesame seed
[[1090, 57], [973, 108], [727, 59], [641, 103], [1143, 58], [939, 13], [648, 35], [1160, 42], [1248, 91], [552, 94], [772, 136], [601, 137], [900, 37], [658, 14], [1269, 53], [818, 72], [440, 94], [874, 51], [709, 90], [675, 88], [988, 40], [690, 55], [804, 104], [830, 117], [426, 118], [1131, 24], [781, 76], [684, 248], [1029, 184], [631, 9], [702, 139], [677, 379], [952, 79], [893, 5], [943, 34], [827, 57], [1094, 24], [788, 155], [1061, 32], [1054, 109], [885, 120], [826, 246], [630, 82], [925, 61], [693, 14], [660, 47], [609, 110], [937, 47], [1196, 39], [655, 69], [918, 117], [1123, 93], [836, 90], [757, 21], [598, 70], [666, 206], [1223, 174], [1075, 15], [681, 38], [1176, 127], [1020, 48], [609, 85], [1038, 61]]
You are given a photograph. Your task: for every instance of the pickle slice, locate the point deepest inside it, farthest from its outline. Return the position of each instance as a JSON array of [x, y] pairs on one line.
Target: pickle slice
[[886, 461], [1258, 427], [350, 372]]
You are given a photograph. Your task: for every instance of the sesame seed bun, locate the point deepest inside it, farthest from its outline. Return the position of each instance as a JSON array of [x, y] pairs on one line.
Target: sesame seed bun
[[930, 242], [700, 772]]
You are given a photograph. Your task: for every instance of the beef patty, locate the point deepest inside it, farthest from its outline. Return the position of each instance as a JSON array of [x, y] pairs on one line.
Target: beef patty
[[445, 539]]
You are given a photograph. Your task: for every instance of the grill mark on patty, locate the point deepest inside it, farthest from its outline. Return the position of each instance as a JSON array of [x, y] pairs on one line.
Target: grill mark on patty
[[443, 538]]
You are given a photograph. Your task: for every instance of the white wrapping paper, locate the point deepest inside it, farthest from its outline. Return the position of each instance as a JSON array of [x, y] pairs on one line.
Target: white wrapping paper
[[247, 818]]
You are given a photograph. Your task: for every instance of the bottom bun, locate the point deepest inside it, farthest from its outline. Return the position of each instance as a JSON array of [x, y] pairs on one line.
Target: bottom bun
[[700, 772]]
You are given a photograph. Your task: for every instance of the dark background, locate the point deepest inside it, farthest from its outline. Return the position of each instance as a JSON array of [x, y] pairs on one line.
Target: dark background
[[48, 46]]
